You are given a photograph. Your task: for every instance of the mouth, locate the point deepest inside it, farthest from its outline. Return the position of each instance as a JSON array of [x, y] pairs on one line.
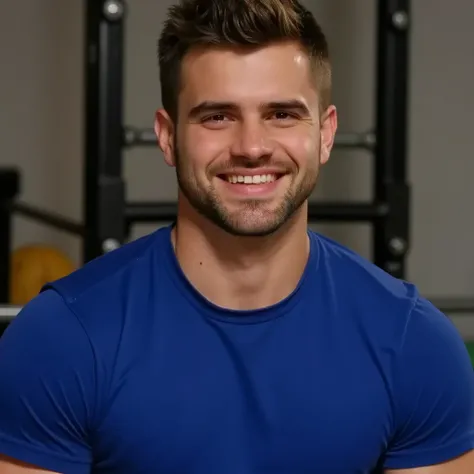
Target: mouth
[[251, 179], [254, 186]]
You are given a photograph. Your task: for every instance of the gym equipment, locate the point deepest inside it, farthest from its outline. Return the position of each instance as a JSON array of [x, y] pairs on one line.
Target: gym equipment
[[108, 216], [32, 267], [9, 187], [7, 313], [107, 137], [146, 137]]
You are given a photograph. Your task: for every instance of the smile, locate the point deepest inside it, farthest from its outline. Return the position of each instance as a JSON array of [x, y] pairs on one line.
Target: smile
[[258, 185], [254, 179]]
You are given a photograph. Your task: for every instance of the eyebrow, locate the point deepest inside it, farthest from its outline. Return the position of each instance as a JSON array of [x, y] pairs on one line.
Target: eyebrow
[[212, 106]]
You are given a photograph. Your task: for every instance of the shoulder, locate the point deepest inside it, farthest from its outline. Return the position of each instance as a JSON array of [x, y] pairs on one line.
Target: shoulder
[[432, 388], [416, 349], [102, 285], [383, 310], [112, 292], [107, 270], [360, 279]]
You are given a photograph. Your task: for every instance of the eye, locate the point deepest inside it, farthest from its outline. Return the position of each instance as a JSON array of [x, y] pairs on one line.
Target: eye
[[215, 118], [284, 116]]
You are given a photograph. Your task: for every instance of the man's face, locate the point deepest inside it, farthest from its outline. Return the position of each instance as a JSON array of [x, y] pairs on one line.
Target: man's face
[[248, 142]]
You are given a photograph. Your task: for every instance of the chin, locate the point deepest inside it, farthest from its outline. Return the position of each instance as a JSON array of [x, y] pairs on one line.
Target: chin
[[252, 226]]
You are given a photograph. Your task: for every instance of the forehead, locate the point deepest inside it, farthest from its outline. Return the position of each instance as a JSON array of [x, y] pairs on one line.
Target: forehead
[[247, 75]]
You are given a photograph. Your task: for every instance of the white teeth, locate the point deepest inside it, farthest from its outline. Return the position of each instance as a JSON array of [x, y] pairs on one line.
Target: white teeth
[[257, 179]]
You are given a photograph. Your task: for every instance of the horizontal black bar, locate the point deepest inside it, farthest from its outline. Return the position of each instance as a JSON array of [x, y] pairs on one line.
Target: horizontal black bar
[[454, 305], [9, 183], [329, 212], [346, 212], [45, 217], [147, 137], [150, 212]]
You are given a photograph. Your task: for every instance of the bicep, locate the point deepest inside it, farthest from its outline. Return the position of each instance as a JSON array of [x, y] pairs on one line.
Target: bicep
[[460, 465], [434, 395], [12, 466], [48, 385]]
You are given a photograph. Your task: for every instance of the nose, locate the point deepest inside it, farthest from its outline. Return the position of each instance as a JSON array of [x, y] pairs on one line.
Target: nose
[[252, 141]]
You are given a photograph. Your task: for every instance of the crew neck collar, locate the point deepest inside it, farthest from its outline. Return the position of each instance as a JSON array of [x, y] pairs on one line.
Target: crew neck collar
[[211, 310]]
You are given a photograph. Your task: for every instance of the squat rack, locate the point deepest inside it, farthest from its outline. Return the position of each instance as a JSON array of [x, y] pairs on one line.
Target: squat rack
[[108, 215]]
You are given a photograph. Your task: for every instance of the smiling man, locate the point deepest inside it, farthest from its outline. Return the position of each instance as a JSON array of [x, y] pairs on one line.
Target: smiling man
[[237, 341]]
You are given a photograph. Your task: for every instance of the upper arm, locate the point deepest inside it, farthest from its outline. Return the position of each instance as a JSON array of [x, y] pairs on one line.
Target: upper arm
[[433, 398], [463, 464], [47, 379], [12, 466]]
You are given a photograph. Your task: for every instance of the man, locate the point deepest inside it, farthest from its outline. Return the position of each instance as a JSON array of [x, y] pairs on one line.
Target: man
[[237, 341]]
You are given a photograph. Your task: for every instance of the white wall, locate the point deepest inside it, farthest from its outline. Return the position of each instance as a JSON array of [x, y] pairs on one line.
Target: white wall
[[41, 94]]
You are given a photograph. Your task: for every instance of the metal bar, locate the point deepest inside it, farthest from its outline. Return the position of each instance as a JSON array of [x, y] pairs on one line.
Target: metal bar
[[133, 137], [356, 140], [104, 188], [346, 212], [454, 305], [330, 212], [47, 217], [391, 235], [7, 313], [5, 251], [9, 188]]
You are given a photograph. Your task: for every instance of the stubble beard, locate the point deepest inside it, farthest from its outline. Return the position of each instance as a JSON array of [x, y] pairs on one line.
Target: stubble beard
[[254, 218]]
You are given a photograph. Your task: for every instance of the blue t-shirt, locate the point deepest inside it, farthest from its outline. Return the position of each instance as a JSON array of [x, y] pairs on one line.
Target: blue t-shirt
[[123, 367]]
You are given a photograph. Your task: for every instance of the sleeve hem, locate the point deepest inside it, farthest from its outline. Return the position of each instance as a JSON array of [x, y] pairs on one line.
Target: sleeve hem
[[430, 457], [31, 455]]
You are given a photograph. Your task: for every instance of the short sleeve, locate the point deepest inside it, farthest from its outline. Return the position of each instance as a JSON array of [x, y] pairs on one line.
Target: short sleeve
[[434, 394], [47, 382]]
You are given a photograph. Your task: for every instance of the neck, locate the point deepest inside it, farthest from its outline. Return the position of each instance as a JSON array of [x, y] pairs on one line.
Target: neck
[[241, 273]]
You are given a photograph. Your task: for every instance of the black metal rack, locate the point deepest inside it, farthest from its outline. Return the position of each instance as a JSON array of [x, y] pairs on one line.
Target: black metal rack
[[104, 187], [9, 188], [107, 213]]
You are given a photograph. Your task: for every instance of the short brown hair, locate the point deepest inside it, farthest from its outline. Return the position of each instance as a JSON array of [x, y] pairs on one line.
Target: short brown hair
[[250, 23]]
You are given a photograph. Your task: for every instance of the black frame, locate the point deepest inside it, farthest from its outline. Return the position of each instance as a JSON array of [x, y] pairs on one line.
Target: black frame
[[391, 234], [107, 214], [104, 186], [389, 210], [9, 189]]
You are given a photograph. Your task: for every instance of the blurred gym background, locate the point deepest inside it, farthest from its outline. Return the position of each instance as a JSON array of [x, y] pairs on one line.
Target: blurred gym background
[[42, 96]]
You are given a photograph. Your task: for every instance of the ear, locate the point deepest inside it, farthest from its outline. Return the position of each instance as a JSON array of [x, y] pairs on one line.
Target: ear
[[164, 130], [328, 133]]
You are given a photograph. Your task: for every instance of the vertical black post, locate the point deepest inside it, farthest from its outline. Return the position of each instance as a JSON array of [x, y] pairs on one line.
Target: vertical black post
[[5, 250], [9, 188], [391, 233], [104, 188]]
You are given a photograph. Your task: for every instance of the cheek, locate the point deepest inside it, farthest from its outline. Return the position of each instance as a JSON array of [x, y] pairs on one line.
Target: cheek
[[303, 148], [202, 147]]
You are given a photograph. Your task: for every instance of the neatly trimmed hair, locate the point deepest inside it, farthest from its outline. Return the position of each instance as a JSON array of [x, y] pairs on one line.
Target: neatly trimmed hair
[[249, 23]]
